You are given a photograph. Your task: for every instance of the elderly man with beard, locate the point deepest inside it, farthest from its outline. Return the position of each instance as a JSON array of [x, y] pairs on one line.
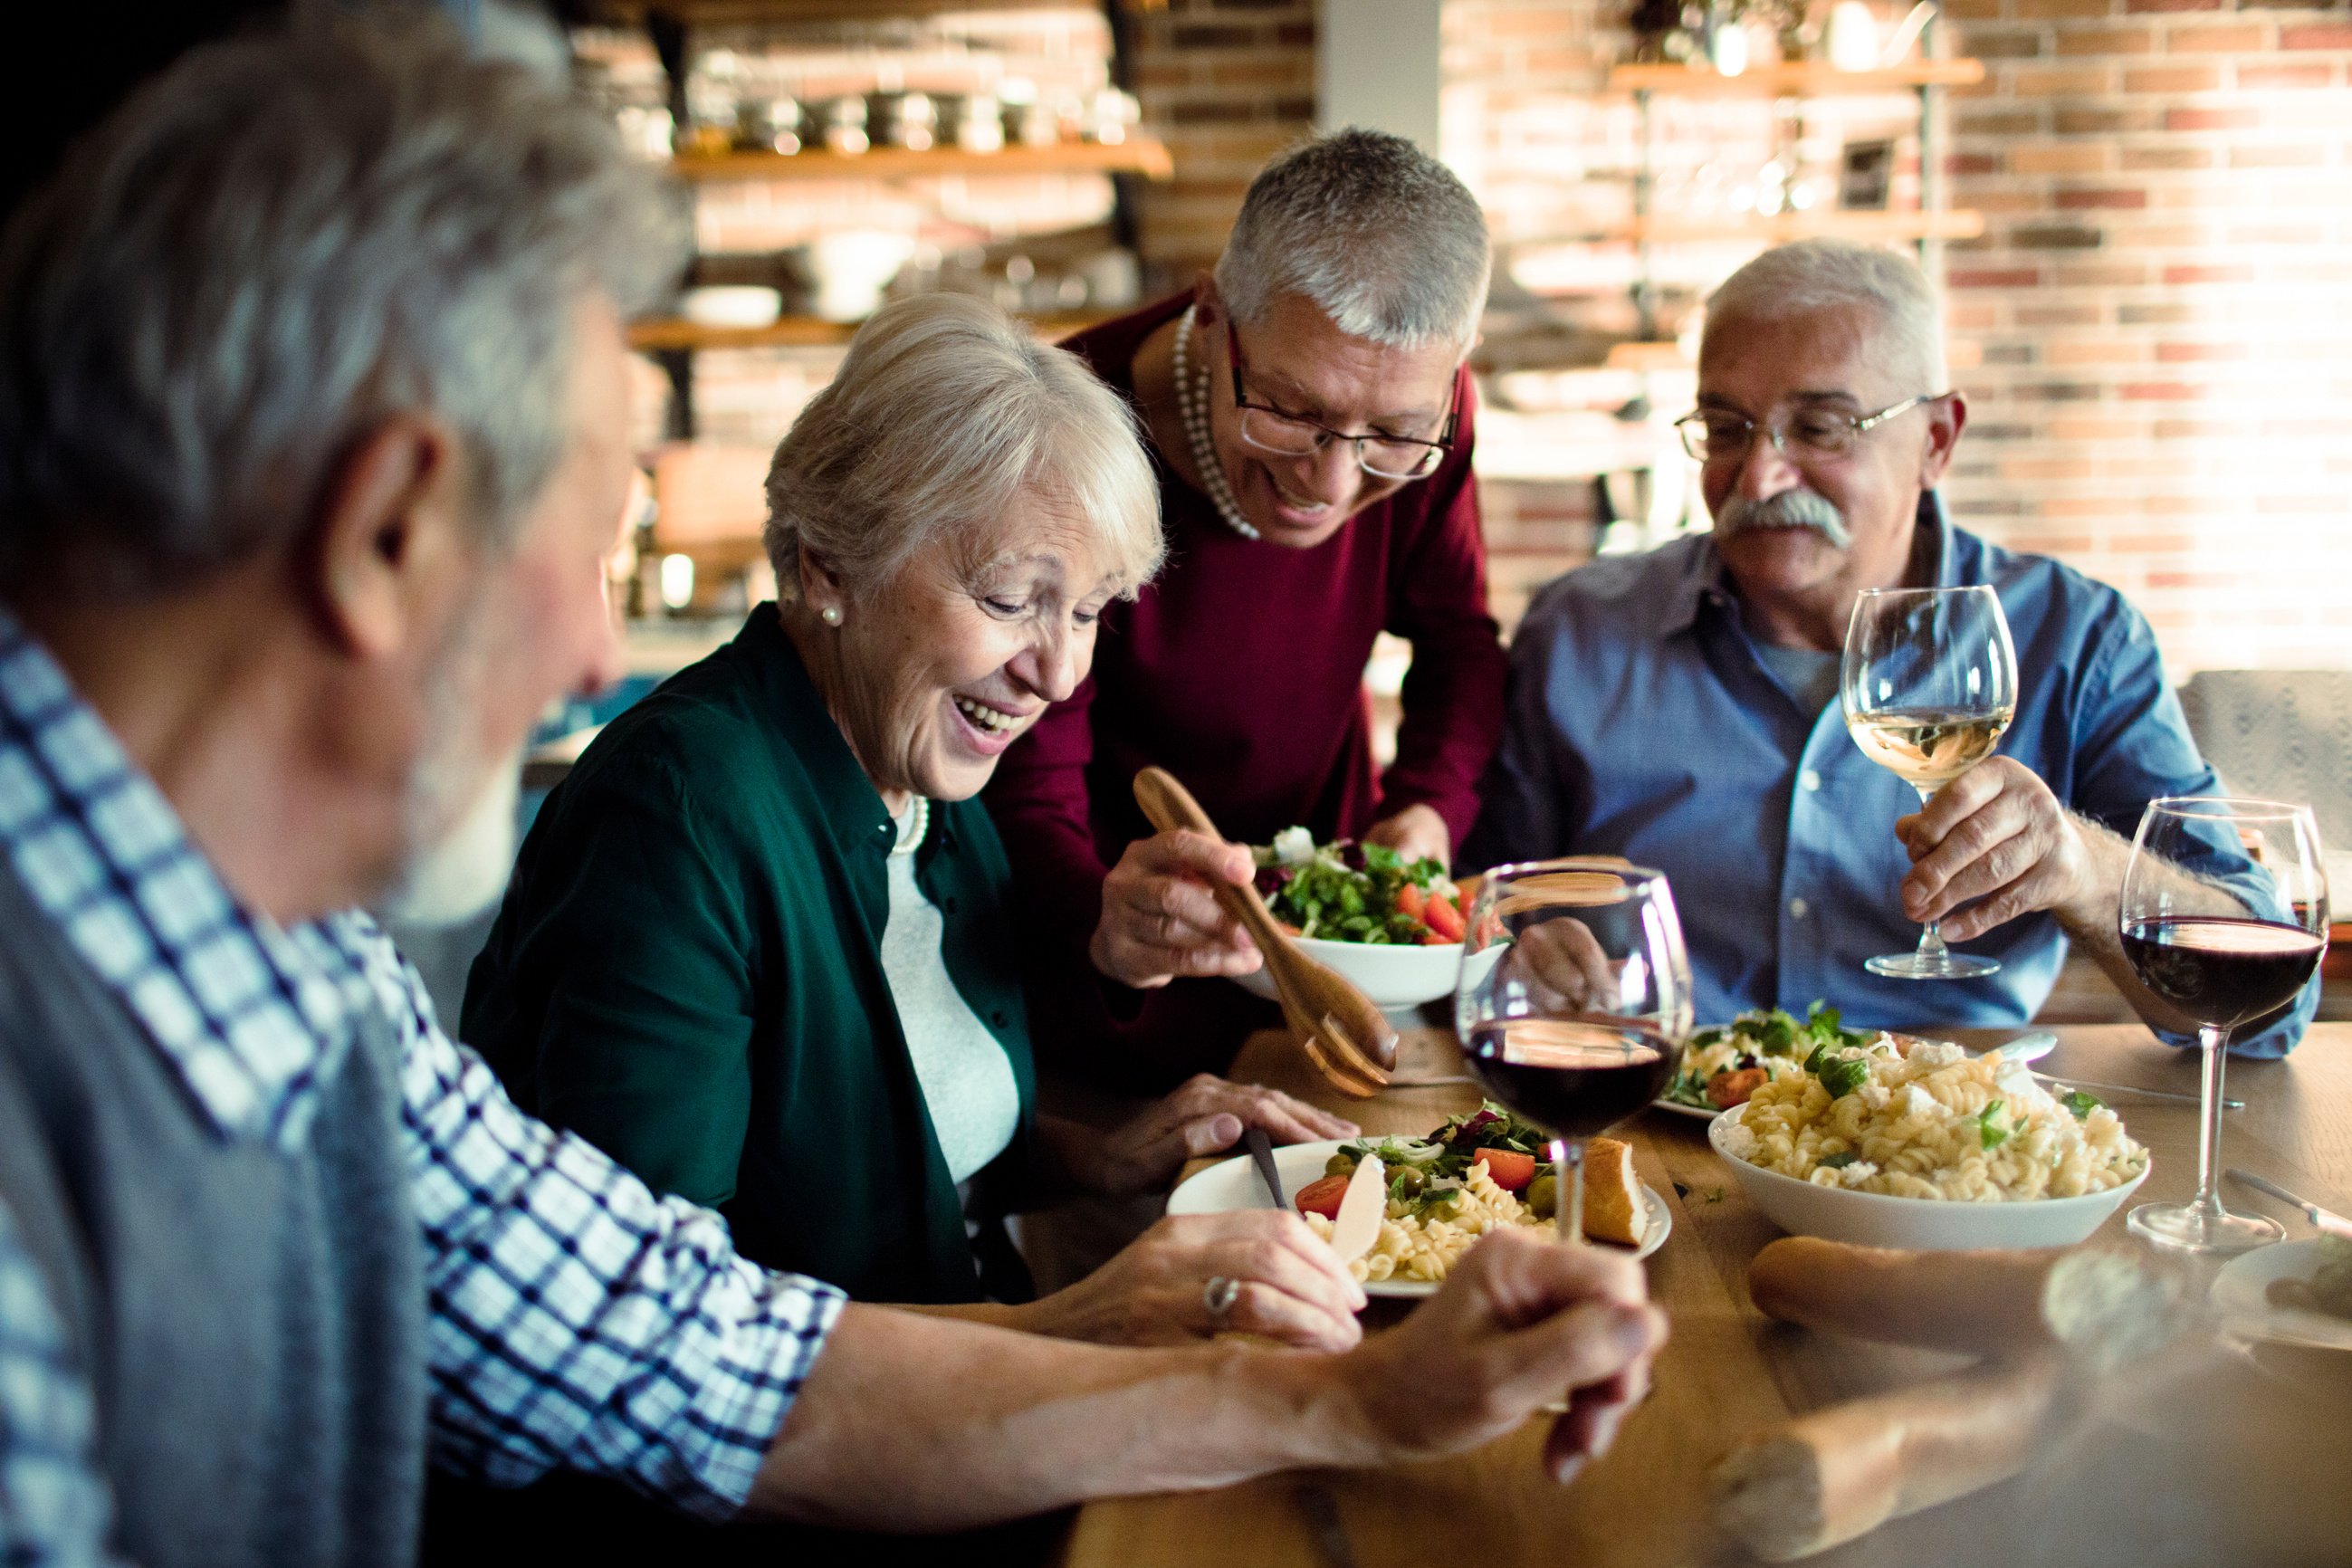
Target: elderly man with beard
[[313, 438], [1680, 708]]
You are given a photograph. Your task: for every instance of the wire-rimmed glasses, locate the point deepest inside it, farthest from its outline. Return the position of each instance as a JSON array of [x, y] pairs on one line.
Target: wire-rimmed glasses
[[1719, 435], [1382, 456]]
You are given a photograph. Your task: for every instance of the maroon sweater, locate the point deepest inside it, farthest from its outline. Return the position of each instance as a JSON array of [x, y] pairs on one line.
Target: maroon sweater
[[1240, 670]]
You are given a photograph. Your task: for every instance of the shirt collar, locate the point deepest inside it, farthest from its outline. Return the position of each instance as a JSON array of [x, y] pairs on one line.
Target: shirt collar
[[1706, 580], [852, 807], [252, 1019]]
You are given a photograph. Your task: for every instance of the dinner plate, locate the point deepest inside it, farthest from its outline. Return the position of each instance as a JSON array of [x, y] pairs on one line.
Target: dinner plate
[[1234, 1184], [2240, 1291]]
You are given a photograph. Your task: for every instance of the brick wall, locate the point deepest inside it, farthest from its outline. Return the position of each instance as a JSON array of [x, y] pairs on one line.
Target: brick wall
[[1226, 84], [2164, 297], [2162, 303]]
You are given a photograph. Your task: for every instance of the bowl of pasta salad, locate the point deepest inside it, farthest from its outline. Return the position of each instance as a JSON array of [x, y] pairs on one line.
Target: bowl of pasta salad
[[1898, 1143]]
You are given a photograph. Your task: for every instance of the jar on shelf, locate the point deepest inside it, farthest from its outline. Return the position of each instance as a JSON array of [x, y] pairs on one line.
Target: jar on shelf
[[908, 119], [1110, 117], [771, 125], [979, 123], [844, 125]]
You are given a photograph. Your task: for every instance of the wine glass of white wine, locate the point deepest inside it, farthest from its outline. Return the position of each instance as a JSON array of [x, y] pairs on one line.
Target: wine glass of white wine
[[1929, 684]]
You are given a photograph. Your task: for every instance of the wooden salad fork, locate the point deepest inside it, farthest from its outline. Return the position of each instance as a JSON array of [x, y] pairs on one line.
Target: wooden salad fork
[[1345, 1036]]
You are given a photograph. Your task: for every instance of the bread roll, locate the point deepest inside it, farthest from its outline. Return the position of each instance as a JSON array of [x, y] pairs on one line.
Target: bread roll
[[1974, 1301], [1839, 1473], [1613, 1210]]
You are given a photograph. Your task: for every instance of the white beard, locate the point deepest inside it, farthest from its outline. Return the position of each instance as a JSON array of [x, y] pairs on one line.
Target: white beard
[[450, 882]]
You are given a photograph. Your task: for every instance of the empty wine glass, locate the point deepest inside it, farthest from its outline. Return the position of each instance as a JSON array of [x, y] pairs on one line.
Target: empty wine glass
[[1928, 683], [2224, 915], [1580, 1021]]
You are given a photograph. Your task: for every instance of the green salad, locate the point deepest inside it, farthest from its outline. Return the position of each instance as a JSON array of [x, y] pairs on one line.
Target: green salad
[[1428, 1175], [1346, 892]]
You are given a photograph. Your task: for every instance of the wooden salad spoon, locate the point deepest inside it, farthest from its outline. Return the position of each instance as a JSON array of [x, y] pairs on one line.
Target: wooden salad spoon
[[1344, 1035]]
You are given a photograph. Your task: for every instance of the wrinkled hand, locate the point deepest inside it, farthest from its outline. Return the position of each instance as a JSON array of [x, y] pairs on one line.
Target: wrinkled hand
[[1294, 1287], [1159, 919], [1206, 1113], [1998, 834], [1417, 833], [1520, 1321]]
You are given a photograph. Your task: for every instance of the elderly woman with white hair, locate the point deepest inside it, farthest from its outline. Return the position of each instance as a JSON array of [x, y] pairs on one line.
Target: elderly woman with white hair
[[1309, 411], [761, 945]]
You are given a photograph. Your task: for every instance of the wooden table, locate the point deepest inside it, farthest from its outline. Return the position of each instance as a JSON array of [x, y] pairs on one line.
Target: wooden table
[[1728, 1371]]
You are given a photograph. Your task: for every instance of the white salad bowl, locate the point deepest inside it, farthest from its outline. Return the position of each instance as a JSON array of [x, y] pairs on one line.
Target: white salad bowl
[[1929, 1225], [1392, 976]]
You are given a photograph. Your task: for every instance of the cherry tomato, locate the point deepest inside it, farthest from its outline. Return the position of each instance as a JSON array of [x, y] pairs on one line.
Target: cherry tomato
[[1444, 917], [1322, 1196], [1512, 1170]]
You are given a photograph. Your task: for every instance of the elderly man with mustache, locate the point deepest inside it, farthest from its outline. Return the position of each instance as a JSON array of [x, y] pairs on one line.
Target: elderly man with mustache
[[1680, 707]]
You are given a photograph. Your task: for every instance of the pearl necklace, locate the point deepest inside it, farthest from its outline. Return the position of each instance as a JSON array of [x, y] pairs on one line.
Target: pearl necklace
[[911, 838], [1192, 402]]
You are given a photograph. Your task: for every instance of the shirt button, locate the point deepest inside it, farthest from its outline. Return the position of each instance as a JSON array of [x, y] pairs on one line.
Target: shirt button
[[1797, 908], [997, 1019], [1810, 780], [950, 906]]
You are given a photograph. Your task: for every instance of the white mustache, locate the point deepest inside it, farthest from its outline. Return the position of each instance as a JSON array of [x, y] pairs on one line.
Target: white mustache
[[1789, 509]]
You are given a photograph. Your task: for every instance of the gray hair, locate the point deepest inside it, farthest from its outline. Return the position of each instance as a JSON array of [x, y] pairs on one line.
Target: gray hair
[[943, 410], [1809, 275], [273, 247], [1379, 235]]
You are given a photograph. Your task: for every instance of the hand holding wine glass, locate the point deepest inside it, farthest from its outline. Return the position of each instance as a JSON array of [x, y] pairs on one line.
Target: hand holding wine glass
[[1928, 685], [1581, 1020], [2224, 915]]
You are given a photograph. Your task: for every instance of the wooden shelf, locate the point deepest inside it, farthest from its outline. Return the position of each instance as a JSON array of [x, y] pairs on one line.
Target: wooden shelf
[[1802, 78], [739, 12], [1835, 223], [1143, 156], [656, 333]]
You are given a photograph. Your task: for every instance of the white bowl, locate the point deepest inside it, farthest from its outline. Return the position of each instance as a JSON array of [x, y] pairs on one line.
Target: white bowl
[[1391, 975], [732, 305], [1929, 1224]]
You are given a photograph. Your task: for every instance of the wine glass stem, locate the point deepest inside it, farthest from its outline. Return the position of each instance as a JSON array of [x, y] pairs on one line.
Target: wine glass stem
[[1568, 1202], [2215, 1044], [1931, 932]]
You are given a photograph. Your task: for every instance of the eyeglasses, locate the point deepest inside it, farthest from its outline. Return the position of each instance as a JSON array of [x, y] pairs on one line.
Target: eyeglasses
[[1718, 436], [1382, 456]]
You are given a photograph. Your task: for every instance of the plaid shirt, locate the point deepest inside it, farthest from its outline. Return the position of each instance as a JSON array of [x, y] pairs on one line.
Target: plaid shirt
[[577, 1320]]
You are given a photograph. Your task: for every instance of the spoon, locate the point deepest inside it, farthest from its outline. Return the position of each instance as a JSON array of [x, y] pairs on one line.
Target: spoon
[[1347, 1037]]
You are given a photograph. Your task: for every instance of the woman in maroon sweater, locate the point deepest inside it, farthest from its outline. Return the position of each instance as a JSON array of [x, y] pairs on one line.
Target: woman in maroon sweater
[[1343, 308]]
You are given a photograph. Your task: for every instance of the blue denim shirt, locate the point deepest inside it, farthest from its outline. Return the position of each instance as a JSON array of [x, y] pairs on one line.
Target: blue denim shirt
[[1643, 723]]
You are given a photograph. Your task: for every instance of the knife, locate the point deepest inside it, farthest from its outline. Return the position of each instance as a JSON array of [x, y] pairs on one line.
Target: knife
[[2328, 1220], [1261, 1149], [1360, 1210]]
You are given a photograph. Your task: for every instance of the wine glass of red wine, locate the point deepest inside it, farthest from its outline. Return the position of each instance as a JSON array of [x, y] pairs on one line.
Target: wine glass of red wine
[[2224, 915], [1928, 683], [1579, 1020]]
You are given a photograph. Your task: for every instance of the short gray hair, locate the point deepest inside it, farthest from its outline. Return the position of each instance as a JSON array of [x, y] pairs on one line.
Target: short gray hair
[[1379, 235], [943, 410], [1809, 275], [276, 244]]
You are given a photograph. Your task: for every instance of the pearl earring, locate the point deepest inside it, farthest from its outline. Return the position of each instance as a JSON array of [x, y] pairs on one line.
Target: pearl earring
[[830, 615]]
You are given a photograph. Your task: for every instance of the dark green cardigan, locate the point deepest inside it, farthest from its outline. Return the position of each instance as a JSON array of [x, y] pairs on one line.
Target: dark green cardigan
[[688, 972]]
